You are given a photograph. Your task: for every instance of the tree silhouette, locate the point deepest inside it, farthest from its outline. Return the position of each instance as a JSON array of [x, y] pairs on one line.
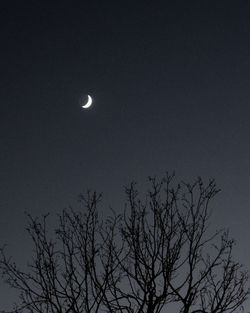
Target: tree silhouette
[[158, 255]]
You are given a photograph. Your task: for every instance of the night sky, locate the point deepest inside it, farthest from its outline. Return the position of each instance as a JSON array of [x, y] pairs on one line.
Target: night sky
[[171, 87]]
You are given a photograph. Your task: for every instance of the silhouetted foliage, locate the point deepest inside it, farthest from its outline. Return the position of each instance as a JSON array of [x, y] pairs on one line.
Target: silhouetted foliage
[[159, 254]]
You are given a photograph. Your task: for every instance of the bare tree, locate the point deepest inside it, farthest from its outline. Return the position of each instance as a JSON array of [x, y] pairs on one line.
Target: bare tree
[[158, 255]]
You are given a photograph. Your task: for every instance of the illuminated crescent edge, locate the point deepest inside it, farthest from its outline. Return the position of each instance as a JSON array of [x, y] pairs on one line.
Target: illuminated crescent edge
[[88, 104]]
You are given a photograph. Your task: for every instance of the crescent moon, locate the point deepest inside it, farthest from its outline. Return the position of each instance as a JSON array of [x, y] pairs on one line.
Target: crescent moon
[[88, 104]]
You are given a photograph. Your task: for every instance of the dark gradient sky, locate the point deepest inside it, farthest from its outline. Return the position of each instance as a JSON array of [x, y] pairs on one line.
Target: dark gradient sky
[[170, 82]]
